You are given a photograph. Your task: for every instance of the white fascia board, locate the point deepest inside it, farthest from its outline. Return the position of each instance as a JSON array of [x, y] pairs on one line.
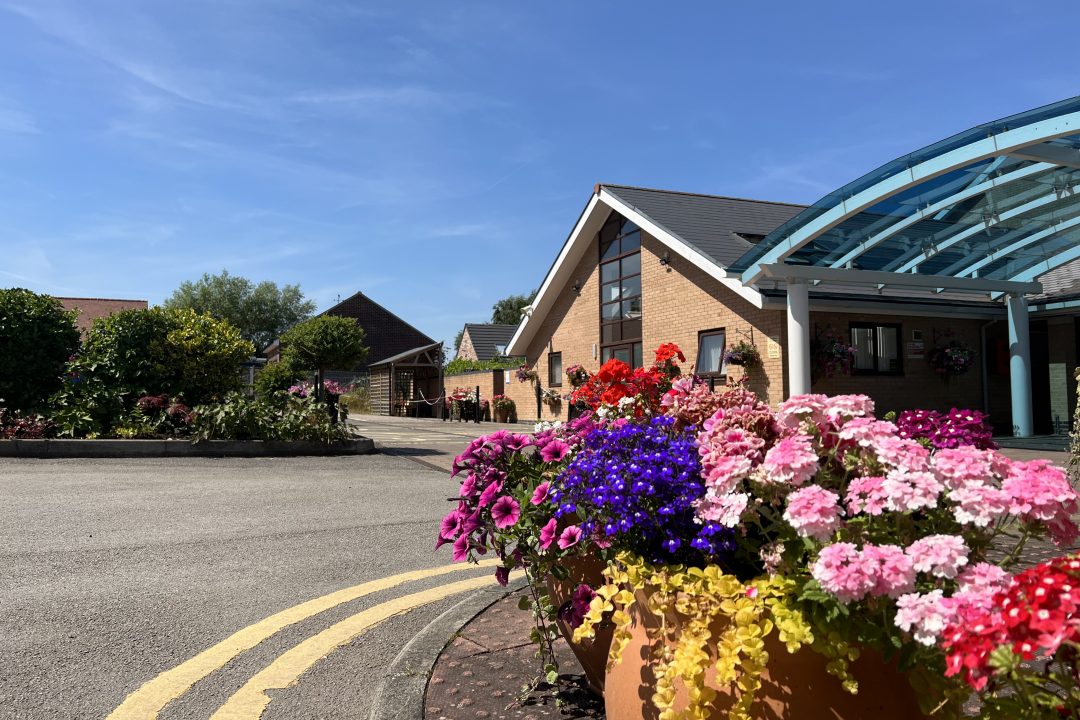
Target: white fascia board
[[899, 308], [564, 263], [676, 243]]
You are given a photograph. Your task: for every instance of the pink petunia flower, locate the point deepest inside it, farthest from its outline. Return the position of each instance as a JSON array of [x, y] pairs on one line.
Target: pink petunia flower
[[540, 494], [488, 496], [468, 486], [505, 512], [461, 548], [554, 451], [548, 532], [570, 537]]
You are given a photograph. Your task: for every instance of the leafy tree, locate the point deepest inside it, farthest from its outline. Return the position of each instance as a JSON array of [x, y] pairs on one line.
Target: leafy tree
[[457, 340], [508, 310], [37, 336], [324, 342], [261, 312]]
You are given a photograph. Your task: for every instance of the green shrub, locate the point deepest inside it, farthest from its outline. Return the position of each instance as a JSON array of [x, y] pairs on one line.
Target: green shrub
[[37, 336], [136, 353], [357, 401], [464, 365], [278, 377], [281, 417]]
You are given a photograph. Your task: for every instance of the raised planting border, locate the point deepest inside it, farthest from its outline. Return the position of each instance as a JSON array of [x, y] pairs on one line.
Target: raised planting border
[[178, 448]]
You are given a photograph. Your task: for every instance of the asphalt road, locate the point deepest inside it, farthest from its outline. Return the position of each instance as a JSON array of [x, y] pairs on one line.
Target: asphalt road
[[113, 572]]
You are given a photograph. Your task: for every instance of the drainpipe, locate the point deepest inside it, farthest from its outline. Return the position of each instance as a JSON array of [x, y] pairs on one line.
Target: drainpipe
[[985, 365]]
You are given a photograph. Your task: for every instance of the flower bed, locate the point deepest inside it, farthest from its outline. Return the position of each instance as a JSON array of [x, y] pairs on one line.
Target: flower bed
[[816, 526]]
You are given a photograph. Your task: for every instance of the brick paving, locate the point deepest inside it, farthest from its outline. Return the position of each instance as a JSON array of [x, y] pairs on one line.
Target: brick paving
[[481, 673]]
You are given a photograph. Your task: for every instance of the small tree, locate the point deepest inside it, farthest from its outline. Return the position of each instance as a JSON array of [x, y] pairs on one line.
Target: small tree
[[508, 310], [37, 336], [260, 312], [324, 342]]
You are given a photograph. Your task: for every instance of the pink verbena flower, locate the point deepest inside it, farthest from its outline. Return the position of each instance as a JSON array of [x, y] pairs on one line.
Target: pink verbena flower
[[910, 490], [962, 466], [924, 616], [841, 570], [722, 473], [840, 409], [866, 494], [791, 461], [976, 587], [505, 512], [892, 569], [800, 409], [1039, 491], [866, 432], [726, 509], [813, 512], [901, 454], [939, 555], [978, 505]]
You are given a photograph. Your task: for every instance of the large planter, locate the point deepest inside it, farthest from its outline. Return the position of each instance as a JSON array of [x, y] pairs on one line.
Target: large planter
[[592, 654], [794, 687], [502, 415]]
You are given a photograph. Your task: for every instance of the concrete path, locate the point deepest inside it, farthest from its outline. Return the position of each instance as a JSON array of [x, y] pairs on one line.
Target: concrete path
[[432, 442]]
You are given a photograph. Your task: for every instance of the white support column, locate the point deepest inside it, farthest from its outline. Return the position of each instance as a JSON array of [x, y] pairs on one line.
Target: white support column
[[1020, 365], [798, 337]]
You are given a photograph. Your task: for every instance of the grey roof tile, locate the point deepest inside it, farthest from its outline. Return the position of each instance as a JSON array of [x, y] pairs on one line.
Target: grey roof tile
[[485, 338], [718, 227]]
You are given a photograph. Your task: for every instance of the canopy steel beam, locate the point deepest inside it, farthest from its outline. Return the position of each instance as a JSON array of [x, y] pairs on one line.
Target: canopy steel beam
[[907, 262], [1018, 245], [1055, 154], [881, 278], [920, 215], [1001, 144]]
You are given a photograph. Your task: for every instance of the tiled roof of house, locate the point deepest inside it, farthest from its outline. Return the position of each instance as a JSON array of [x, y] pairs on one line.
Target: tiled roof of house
[[90, 309], [487, 338], [721, 228], [1061, 281]]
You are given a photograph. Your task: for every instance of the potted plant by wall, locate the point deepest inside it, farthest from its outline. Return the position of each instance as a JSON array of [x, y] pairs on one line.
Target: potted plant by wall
[[504, 408]]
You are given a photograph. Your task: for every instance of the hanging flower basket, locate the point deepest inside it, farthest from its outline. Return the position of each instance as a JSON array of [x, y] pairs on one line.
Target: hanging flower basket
[[952, 360], [743, 354], [526, 374], [831, 354]]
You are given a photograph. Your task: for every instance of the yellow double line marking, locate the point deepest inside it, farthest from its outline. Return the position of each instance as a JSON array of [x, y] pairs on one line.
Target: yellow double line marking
[[249, 702]]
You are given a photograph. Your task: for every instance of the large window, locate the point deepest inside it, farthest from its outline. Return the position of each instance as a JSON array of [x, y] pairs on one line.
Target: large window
[[554, 369], [620, 291], [877, 348]]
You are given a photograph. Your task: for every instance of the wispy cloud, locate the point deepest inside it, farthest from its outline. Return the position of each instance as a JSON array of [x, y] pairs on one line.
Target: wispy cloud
[[16, 120]]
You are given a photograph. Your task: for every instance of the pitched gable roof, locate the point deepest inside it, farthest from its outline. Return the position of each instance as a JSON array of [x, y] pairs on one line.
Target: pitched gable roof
[[486, 337], [718, 227]]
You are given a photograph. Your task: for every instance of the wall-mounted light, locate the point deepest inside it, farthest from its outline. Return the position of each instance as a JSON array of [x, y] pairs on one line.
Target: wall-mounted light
[[665, 258], [577, 286]]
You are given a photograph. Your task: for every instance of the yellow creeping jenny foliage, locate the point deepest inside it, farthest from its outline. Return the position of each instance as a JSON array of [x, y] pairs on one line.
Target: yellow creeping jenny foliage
[[687, 601]]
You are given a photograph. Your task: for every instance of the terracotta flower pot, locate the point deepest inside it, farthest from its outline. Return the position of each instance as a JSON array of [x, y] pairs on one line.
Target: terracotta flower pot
[[592, 654], [794, 686]]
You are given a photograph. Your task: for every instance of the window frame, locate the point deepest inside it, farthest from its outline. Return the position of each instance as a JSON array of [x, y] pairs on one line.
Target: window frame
[[718, 374], [872, 325], [615, 218], [554, 381]]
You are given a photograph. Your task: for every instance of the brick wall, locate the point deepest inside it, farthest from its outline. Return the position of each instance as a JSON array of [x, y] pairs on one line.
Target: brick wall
[[90, 309], [919, 386], [466, 350]]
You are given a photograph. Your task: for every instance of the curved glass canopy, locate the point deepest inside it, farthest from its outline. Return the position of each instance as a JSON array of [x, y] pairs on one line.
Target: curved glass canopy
[[999, 202]]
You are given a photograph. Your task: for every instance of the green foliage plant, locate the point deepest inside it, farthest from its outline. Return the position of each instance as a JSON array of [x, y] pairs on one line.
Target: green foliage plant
[[37, 336], [278, 376], [357, 401], [282, 417]]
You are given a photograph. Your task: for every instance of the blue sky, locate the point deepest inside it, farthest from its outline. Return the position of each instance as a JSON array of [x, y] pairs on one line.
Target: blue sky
[[434, 155]]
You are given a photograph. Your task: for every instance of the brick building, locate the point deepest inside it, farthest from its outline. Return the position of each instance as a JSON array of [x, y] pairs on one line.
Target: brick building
[[642, 267], [90, 309]]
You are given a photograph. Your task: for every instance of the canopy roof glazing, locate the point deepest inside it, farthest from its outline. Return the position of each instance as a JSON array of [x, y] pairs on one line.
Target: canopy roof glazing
[[999, 201]]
